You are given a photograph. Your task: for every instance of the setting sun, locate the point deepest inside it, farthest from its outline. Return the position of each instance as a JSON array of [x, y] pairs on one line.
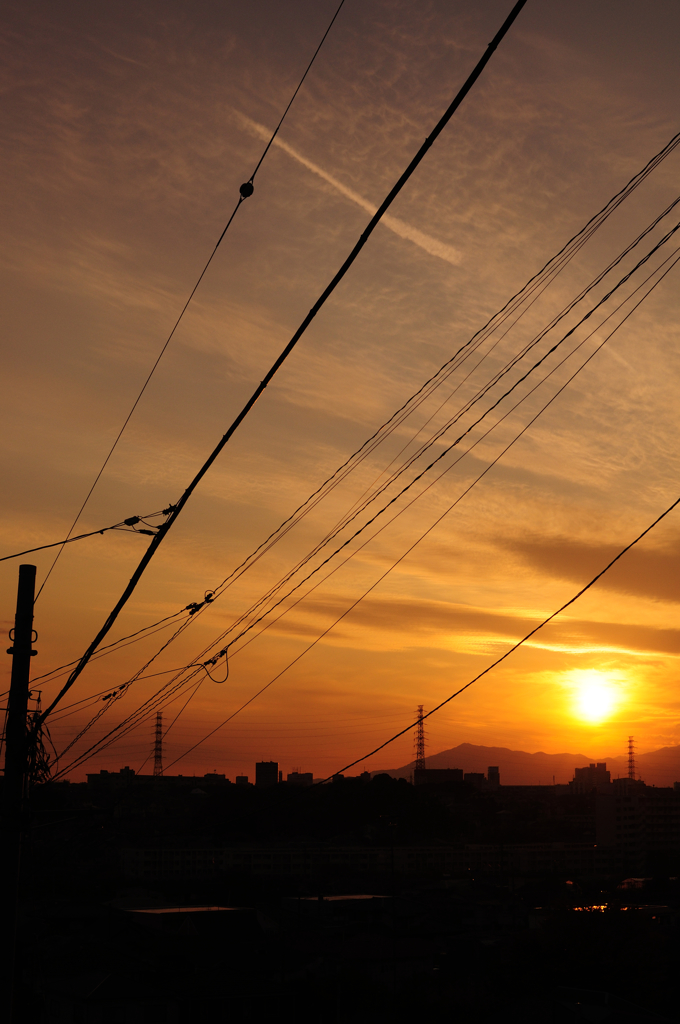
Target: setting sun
[[595, 696]]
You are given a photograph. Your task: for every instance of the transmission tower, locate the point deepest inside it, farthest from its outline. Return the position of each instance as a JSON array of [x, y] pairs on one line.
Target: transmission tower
[[158, 745], [631, 758], [419, 742]]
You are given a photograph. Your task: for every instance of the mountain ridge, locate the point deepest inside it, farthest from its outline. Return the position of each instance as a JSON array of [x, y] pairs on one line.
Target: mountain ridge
[[520, 768]]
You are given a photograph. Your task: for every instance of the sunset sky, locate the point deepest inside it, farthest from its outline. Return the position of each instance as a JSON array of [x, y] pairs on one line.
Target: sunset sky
[[128, 129]]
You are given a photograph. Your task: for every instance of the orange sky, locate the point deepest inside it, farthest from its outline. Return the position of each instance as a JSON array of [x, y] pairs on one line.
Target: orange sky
[[131, 128]]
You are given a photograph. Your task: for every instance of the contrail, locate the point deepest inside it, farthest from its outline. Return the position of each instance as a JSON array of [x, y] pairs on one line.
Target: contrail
[[431, 245]]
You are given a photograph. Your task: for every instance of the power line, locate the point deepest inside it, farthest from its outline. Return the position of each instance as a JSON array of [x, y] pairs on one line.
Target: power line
[[447, 469], [559, 261], [290, 104], [181, 710], [418, 541], [130, 523], [666, 151], [519, 643], [131, 722], [117, 694], [439, 457], [410, 503], [245, 191], [125, 641], [552, 267], [672, 259], [325, 295]]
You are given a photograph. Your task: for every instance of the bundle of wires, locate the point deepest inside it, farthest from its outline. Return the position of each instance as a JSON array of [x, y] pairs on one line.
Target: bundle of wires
[[489, 387]]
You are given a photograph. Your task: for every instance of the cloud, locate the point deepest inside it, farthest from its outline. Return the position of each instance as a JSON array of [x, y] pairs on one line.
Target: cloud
[[431, 245], [471, 630], [644, 573]]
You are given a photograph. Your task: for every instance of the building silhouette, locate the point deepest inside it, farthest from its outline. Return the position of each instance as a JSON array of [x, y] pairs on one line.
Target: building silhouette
[[300, 778], [640, 824], [429, 776], [266, 773], [593, 778]]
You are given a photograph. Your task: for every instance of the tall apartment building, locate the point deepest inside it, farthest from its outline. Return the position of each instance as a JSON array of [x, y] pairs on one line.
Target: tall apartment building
[[266, 773], [640, 823], [594, 777]]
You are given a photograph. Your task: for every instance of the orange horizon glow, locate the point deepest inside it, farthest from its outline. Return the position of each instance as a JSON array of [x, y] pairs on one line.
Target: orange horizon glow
[[130, 136]]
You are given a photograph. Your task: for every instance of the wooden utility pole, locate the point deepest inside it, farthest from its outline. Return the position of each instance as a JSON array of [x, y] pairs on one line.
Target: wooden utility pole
[[16, 734], [16, 764]]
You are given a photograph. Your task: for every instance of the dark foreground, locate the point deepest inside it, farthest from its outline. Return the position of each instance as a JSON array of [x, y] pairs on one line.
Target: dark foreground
[[486, 945]]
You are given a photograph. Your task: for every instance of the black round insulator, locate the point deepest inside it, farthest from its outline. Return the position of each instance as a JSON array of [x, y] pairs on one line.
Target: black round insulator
[[246, 189]]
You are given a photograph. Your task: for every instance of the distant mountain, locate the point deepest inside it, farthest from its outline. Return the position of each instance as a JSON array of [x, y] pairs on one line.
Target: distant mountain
[[518, 768]]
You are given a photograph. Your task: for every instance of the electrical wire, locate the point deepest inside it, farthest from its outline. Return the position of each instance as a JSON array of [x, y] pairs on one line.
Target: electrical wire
[[450, 447], [445, 471], [428, 531], [146, 711], [519, 643], [125, 641], [553, 370], [181, 711], [245, 191], [117, 694], [236, 574], [640, 263], [633, 183], [558, 261], [320, 302], [126, 526]]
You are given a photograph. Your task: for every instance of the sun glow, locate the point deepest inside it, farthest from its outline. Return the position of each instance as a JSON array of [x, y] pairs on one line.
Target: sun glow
[[595, 696]]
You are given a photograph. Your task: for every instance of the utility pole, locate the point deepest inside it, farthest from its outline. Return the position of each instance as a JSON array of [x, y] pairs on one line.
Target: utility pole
[[16, 763]]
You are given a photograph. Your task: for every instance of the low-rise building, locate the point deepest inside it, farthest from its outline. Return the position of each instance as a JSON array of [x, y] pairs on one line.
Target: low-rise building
[[111, 783], [428, 776], [300, 778]]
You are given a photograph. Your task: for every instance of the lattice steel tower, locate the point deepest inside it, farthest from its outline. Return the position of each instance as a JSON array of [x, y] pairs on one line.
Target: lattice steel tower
[[631, 758], [158, 745], [419, 742]]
